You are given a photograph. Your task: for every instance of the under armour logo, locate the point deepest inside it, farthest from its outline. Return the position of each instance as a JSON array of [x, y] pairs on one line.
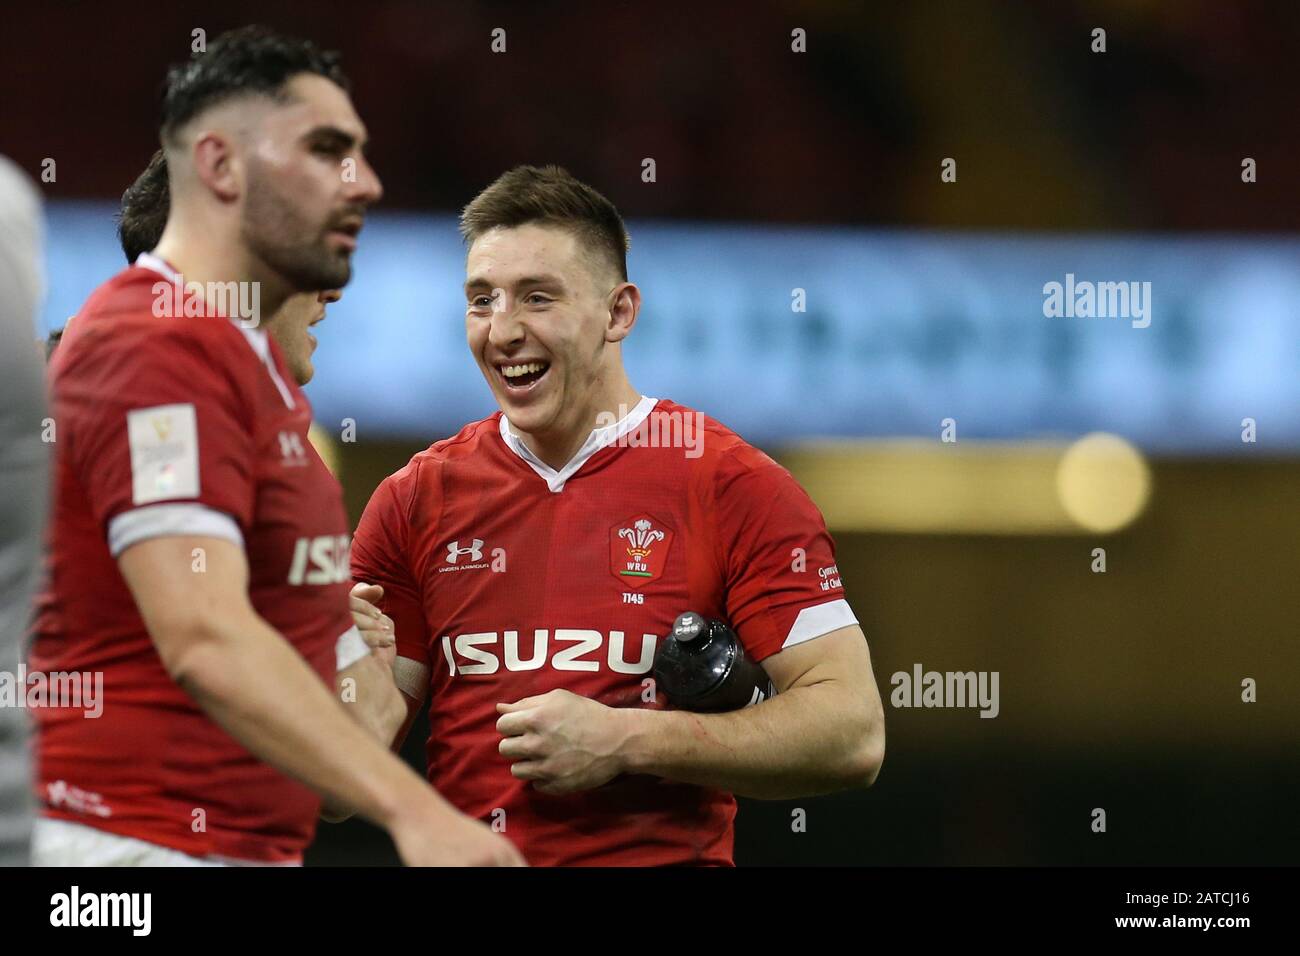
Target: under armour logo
[[291, 447], [475, 551]]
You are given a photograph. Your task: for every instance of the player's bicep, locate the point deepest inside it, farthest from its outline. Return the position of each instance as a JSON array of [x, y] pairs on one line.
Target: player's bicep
[[835, 669], [841, 655], [182, 584]]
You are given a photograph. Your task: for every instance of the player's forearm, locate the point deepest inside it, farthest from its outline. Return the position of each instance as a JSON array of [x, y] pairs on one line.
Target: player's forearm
[[368, 694], [247, 679], [807, 741]]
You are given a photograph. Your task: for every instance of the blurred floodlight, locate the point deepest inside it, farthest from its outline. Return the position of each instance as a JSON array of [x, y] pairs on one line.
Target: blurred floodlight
[[915, 486], [1103, 482]]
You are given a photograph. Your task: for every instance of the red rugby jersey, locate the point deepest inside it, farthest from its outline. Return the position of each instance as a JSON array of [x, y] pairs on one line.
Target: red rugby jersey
[[171, 426], [509, 579]]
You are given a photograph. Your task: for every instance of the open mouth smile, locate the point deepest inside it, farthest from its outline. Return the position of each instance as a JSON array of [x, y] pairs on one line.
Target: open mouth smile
[[522, 376]]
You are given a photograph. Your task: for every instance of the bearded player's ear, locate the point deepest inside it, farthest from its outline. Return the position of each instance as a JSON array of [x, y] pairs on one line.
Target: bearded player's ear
[[625, 305], [215, 165]]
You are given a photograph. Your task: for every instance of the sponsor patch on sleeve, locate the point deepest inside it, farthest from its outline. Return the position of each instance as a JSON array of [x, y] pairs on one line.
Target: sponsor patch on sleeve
[[164, 453]]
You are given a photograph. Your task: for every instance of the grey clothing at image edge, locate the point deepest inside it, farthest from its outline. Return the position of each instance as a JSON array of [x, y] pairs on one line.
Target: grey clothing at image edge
[[23, 481]]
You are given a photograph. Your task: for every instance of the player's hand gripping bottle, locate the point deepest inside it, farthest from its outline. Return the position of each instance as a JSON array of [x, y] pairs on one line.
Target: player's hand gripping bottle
[[702, 666]]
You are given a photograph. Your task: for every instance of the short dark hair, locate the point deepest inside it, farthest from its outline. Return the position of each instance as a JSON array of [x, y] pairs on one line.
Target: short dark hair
[[52, 342], [250, 60], [549, 195], [145, 206]]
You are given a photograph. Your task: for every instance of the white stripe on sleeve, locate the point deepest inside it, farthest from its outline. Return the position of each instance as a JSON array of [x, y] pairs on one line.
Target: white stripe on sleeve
[[349, 648], [818, 620], [169, 521]]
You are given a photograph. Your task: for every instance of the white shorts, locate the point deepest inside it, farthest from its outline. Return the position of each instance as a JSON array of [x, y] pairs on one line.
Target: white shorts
[[60, 843]]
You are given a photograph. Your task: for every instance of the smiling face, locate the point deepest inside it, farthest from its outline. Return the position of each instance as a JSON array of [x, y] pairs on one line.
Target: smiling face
[[544, 318], [308, 185], [291, 329]]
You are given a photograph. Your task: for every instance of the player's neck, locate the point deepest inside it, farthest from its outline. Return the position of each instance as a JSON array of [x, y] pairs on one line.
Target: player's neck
[[201, 257], [558, 446]]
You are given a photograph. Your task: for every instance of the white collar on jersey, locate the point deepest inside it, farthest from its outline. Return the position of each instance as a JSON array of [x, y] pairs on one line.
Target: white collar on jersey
[[598, 439], [256, 338]]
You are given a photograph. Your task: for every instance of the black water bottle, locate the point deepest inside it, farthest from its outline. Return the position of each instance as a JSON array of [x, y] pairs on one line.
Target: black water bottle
[[702, 666]]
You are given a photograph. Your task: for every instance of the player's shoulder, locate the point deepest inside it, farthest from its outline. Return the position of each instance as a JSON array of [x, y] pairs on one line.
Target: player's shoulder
[[423, 470], [139, 307], [125, 337], [125, 295], [717, 448], [736, 482], [472, 440]]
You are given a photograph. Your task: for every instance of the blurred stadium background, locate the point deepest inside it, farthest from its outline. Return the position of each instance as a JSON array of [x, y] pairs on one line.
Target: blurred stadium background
[[820, 172]]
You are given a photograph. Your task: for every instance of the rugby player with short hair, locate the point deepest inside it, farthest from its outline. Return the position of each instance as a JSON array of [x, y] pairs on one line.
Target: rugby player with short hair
[[199, 548], [365, 686], [533, 562]]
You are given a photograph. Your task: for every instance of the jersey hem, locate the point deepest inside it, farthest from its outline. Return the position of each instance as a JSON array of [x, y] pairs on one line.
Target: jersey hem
[[150, 835]]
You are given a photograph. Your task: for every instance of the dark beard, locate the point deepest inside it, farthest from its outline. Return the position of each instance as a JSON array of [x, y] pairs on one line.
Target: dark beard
[[275, 233]]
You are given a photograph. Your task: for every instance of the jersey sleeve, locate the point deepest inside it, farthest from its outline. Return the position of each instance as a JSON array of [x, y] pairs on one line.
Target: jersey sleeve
[[778, 560], [161, 439], [379, 556]]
